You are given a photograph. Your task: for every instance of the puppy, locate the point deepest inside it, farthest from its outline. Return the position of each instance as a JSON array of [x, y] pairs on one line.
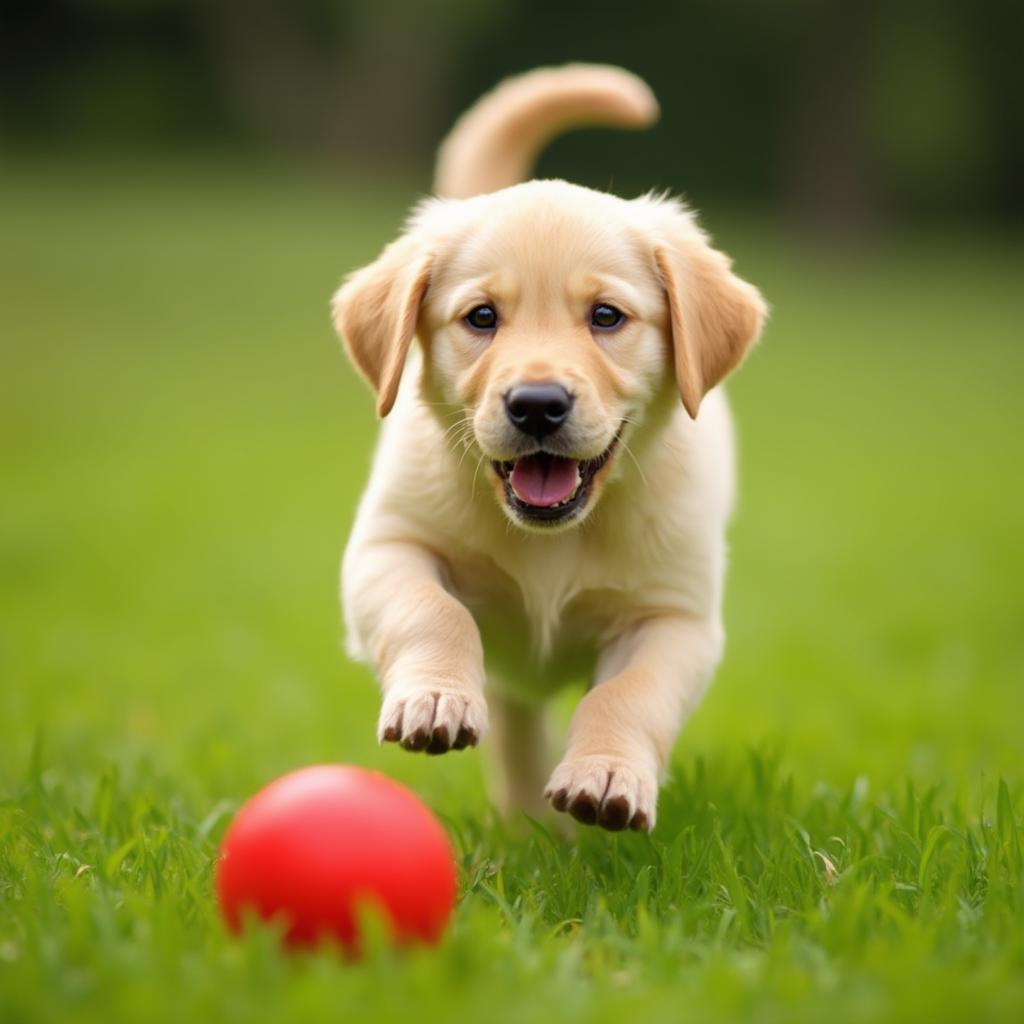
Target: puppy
[[554, 475]]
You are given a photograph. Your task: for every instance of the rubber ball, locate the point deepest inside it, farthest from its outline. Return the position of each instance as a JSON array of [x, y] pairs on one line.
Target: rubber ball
[[315, 846]]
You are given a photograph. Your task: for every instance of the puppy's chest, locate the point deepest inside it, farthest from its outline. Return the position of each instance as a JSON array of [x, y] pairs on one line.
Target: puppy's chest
[[541, 621]]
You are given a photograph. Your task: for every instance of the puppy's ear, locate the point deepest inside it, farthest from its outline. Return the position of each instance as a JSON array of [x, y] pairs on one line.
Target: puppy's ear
[[375, 313], [715, 316]]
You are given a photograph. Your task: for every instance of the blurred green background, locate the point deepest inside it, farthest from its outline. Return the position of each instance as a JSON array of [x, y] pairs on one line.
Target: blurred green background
[[182, 185], [834, 113]]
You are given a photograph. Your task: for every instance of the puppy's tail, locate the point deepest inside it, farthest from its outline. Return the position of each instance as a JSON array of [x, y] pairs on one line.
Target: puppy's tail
[[495, 143]]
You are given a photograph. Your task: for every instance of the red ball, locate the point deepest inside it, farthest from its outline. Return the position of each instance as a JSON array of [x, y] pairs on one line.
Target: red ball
[[317, 844]]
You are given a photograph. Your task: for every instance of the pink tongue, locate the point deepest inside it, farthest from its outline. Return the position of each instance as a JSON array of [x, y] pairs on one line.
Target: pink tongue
[[543, 480]]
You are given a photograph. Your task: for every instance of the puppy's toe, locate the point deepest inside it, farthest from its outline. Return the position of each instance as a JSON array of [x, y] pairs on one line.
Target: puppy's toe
[[559, 799], [439, 741], [474, 719], [418, 720], [639, 822], [615, 813], [448, 715], [584, 808], [389, 725], [464, 738]]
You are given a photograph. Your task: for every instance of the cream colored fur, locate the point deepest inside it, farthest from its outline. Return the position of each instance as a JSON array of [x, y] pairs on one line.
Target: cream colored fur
[[458, 604]]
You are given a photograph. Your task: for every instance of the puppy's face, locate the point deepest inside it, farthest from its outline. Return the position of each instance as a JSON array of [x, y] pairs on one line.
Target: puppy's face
[[550, 317], [545, 327]]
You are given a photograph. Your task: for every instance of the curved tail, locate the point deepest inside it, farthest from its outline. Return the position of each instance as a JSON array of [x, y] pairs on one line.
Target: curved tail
[[495, 143]]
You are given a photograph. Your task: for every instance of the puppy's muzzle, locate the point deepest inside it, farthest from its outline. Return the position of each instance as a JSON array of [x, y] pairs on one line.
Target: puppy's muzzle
[[538, 410]]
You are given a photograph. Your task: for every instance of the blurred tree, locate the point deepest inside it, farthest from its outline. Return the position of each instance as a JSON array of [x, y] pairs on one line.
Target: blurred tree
[[826, 155], [362, 77], [932, 134]]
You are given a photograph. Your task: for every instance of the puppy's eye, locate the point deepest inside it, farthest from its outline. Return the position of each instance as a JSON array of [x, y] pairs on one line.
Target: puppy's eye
[[605, 317], [482, 318]]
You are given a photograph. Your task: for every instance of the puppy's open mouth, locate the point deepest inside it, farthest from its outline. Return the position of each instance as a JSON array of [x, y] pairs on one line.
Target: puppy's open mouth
[[549, 488]]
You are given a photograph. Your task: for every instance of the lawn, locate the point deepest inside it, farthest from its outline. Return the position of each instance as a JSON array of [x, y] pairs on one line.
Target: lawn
[[840, 836]]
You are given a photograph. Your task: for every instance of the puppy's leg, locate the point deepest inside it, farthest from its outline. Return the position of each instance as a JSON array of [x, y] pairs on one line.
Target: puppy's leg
[[620, 737], [423, 643], [519, 755]]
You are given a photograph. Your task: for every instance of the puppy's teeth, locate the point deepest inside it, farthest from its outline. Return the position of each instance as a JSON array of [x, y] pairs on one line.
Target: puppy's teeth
[[576, 489]]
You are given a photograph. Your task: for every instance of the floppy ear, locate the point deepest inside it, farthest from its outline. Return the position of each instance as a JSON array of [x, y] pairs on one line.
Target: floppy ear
[[375, 312], [715, 316]]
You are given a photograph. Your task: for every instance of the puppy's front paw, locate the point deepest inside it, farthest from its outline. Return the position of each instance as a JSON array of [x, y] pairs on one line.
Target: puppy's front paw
[[605, 791], [432, 719]]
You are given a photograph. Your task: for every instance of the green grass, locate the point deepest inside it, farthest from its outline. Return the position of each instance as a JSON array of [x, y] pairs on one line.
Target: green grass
[[840, 835]]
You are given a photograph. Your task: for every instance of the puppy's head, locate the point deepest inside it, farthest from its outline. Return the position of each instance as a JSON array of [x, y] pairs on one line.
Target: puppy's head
[[551, 318]]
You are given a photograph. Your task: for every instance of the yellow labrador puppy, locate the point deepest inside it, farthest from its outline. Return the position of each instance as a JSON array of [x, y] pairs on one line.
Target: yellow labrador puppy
[[543, 506]]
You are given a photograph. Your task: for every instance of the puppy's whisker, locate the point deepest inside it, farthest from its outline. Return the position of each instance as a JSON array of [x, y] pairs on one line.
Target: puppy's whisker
[[460, 455], [460, 422], [467, 448], [479, 462], [457, 434], [629, 421], [636, 461], [465, 431]]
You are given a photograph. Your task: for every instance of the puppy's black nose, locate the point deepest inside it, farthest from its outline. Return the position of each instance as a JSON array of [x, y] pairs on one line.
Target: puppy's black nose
[[538, 409]]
